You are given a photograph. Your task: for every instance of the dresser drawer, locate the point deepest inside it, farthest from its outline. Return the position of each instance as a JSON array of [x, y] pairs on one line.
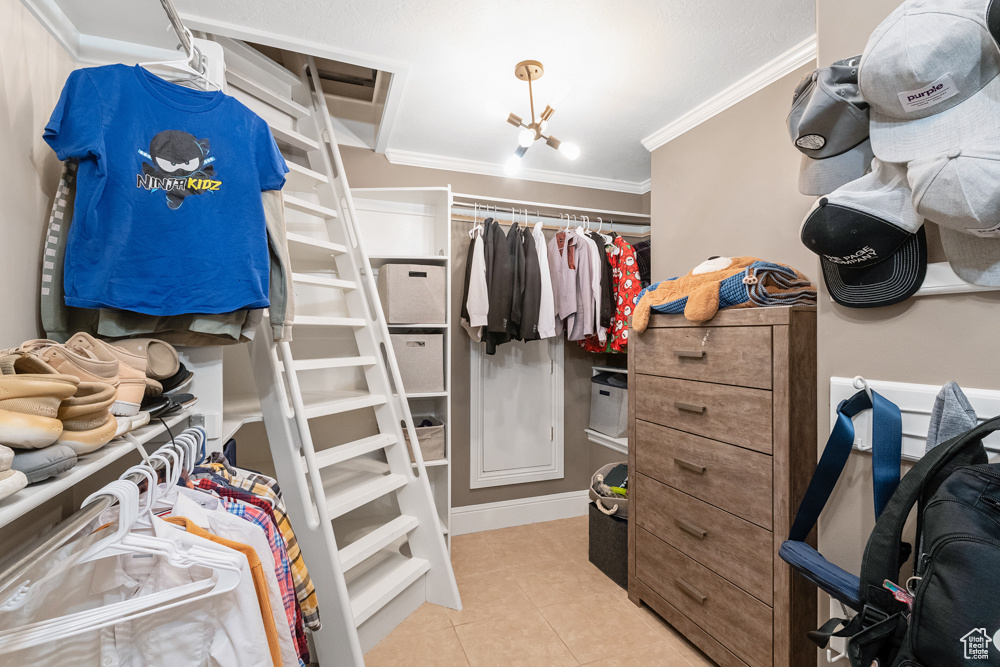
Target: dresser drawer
[[736, 619], [735, 479], [738, 550], [727, 355], [737, 415]]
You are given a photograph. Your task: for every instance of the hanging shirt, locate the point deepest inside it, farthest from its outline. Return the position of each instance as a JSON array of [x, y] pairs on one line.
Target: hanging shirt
[[169, 218], [562, 270], [225, 630], [267, 489], [584, 320], [476, 295], [532, 288], [546, 304]]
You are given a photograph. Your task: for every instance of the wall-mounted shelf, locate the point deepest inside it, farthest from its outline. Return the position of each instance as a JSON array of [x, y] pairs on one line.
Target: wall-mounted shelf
[[617, 444], [237, 410], [915, 402], [32, 496], [942, 279], [418, 326]]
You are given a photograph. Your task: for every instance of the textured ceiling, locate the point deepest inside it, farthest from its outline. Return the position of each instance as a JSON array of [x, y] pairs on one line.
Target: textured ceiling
[[614, 71]]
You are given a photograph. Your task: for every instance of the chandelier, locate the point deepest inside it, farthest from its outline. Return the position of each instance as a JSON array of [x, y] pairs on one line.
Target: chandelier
[[532, 70]]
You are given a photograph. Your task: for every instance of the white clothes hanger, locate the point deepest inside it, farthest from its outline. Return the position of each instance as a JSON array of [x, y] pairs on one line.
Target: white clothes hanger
[[476, 227], [181, 549], [191, 65]]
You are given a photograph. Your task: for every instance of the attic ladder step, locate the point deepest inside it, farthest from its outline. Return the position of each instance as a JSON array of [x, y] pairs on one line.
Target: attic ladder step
[[318, 245], [264, 94], [307, 279], [352, 450], [332, 362], [304, 206], [355, 495], [376, 540], [316, 321], [302, 179], [378, 594], [292, 138], [338, 406]]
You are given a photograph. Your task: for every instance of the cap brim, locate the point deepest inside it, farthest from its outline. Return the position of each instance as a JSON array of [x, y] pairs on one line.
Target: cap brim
[[821, 177], [895, 140], [893, 280], [975, 260]]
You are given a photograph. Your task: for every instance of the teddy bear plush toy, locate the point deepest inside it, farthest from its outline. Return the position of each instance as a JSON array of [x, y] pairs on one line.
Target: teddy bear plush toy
[[732, 282]]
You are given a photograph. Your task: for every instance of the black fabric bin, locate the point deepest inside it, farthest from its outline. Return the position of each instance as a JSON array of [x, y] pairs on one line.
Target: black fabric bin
[[608, 547]]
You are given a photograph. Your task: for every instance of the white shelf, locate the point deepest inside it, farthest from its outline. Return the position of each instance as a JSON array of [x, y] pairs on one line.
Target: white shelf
[[418, 326], [429, 394], [34, 495], [237, 410], [617, 444], [608, 369], [378, 261]]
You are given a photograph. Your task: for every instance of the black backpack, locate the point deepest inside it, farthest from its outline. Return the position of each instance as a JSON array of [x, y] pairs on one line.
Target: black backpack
[[953, 618]]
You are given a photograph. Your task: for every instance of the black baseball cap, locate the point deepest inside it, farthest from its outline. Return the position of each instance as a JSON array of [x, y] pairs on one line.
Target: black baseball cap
[[870, 240]]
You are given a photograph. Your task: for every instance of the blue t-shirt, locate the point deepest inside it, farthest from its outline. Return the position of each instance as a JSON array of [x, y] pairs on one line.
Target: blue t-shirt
[[169, 218]]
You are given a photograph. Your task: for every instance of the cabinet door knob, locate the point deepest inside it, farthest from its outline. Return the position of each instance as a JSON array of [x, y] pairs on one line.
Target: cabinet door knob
[[690, 354], [690, 407], [691, 591], [693, 467], [689, 527]]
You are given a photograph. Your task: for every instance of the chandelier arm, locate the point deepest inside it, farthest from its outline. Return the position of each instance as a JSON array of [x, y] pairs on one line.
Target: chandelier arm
[[531, 98]]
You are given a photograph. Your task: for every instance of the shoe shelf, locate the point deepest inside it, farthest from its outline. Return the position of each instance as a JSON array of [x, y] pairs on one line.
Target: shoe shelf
[[238, 409], [34, 495]]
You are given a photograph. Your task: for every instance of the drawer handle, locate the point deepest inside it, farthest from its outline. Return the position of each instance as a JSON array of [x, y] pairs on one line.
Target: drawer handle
[[689, 407], [689, 527], [689, 354], [693, 467], [691, 591]]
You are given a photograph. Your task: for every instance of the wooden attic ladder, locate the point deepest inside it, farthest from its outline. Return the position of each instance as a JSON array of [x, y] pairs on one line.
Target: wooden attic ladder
[[368, 586]]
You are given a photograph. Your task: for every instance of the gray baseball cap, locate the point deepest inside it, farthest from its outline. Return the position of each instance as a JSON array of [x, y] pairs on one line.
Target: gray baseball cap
[[828, 123], [930, 73], [958, 191]]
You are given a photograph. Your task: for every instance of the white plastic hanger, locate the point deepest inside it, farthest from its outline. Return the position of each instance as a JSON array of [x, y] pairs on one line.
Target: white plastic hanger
[[226, 566], [191, 65], [476, 227]]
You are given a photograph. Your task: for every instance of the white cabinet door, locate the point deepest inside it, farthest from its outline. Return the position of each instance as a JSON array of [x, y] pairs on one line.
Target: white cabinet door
[[517, 413]]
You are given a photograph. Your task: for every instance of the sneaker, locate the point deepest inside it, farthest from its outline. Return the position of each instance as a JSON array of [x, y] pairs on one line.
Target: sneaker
[[178, 382], [30, 394], [83, 365], [11, 481], [129, 424], [131, 370], [87, 421], [162, 359], [39, 465]]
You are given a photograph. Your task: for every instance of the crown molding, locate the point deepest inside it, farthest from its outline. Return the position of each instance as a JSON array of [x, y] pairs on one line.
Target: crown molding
[[430, 161], [789, 61], [645, 186]]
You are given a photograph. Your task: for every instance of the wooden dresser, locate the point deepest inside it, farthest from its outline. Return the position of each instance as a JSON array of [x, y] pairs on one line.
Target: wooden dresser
[[722, 444]]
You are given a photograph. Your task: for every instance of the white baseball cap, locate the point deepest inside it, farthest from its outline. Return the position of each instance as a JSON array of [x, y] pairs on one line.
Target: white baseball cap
[[931, 73], [959, 191]]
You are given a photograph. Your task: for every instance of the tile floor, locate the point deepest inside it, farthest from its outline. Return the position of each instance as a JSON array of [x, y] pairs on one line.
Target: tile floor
[[531, 597]]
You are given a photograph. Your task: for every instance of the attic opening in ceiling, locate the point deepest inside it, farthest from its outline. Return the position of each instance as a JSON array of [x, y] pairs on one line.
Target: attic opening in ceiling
[[354, 94]]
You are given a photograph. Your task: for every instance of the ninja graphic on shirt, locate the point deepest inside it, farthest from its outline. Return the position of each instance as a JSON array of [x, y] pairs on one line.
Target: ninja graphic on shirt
[[180, 167]]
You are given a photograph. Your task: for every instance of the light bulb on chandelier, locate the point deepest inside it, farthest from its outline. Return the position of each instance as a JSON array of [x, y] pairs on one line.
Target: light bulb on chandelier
[[571, 151], [526, 137], [513, 165]]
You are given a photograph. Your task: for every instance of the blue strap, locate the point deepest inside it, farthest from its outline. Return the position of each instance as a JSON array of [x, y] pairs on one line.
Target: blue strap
[[887, 433], [887, 446]]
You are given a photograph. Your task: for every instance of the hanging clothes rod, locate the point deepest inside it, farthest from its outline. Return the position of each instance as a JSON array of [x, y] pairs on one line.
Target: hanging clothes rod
[[631, 229], [471, 199], [19, 563], [622, 229]]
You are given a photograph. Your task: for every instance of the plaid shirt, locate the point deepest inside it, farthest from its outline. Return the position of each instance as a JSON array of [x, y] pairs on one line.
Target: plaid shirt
[[267, 489], [282, 566]]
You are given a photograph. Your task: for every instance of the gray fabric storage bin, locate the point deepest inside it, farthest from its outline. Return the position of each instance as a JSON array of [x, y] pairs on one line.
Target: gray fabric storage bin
[[608, 408], [608, 545], [412, 293], [430, 438], [421, 361]]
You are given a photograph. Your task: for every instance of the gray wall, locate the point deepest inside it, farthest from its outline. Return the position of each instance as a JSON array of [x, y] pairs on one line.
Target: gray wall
[[32, 71], [368, 169], [728, 187], [927, 340]]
